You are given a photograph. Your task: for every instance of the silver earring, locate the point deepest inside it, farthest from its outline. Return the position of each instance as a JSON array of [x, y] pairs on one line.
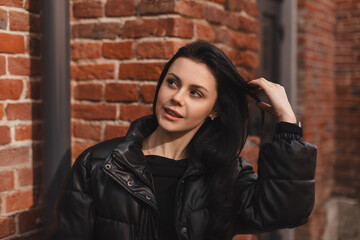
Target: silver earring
[[212, 118]]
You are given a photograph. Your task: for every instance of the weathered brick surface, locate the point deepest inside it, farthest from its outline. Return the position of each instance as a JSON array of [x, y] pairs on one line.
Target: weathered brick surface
[[3, 19], [20, 116], [91, 72], [122, 92], [6, 180], [119, 50], [85, 51], [10, 88], [20, 200], [7, 225], [119, 8], [89, 92], [347, 105], [140, 71], [161, 50], [161, 27], [14, 43], [91, 131], [94, 112], [88, 9]]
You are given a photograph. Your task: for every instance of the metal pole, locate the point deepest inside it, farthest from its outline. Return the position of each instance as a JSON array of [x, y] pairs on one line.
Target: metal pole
[[55, 101]]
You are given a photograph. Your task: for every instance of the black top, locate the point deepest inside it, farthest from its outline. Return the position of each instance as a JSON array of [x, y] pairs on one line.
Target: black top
[[166, 173]]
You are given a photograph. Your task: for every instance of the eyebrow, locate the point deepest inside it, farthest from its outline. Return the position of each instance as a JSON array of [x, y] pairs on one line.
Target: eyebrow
[[192, 85]]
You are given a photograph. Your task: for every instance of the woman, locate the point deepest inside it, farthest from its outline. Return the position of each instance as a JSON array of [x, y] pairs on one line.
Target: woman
[[177, 174]]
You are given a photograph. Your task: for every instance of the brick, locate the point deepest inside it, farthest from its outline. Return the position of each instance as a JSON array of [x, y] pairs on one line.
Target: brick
[[14, 156], [85, 51], [28, 132], [248, 59], [20, 21], [30, 220], [172, 27], [12, 3], [3, 19], [158, 6], [215, 15], [147, 93], [10, 89], [6, 181], [241, 23], [87, 130], [222, 2], [92, 72], [24, 66], [190, 9], [205, 32], [4, 135], [7, 224], [23, 132], [245, 41], [140, 71], [88, 9], [120, 8], [29, 176], [94, 112], [251, 8], [23, 111], [132, 112], [78, 147], [34, 46], [159, 50], [235, 5], [33, 6], [119, 50], [114, 131], [2, 65], [33, 90], [97, 30], [1, 110], [14, 43], [121, 92], [21, 200], [93, 92], [222, 36]]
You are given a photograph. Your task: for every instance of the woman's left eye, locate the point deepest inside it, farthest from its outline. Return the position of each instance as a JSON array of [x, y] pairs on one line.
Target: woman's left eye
[[195, 93]]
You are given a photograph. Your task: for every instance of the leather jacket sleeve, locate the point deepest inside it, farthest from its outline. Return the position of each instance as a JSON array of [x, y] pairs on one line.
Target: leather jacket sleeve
[[282, 195], [74, 213]]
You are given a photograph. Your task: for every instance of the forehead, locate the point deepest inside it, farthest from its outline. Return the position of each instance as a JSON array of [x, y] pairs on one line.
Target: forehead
[[192, 71]]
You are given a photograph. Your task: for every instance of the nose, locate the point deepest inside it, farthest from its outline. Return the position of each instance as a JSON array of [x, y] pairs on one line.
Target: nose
[[178, 97]]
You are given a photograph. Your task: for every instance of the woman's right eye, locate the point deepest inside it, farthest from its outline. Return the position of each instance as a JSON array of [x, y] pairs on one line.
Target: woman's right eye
[[171, 83]]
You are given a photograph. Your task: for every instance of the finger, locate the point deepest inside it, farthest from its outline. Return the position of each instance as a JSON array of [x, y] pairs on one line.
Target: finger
[[264, 106]]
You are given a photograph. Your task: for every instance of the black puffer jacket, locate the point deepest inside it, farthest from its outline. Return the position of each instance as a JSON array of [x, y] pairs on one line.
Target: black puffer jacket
[[108, 194]]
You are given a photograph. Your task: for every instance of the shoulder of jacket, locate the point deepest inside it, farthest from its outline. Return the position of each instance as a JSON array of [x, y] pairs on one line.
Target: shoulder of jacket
[[100, 151]]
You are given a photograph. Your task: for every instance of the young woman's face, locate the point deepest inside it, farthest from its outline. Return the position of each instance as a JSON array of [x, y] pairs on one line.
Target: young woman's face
[[186, 96]]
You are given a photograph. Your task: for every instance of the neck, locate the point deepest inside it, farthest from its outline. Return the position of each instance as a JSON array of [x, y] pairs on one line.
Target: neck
[[170, 145]]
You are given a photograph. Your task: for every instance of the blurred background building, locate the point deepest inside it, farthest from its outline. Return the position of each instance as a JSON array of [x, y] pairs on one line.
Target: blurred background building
[[111, 54]]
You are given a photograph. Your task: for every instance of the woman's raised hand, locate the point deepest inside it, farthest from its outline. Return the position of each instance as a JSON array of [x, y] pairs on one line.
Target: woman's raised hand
[[279, 106]]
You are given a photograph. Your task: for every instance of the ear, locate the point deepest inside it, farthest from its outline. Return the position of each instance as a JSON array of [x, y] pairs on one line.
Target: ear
[[213, 114]]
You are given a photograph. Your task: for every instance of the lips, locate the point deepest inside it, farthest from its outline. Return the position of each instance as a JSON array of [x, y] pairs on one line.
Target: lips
[[173, 113]]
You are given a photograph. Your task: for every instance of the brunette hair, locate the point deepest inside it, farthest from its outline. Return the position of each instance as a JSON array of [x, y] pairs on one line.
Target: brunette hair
[[218, 143]]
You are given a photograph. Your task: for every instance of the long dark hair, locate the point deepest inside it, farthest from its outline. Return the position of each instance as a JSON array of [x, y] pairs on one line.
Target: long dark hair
[[218, 142]]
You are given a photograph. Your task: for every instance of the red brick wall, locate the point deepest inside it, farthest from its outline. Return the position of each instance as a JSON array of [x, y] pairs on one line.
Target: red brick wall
[[316, 79], [20, 119], [347, 106]]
